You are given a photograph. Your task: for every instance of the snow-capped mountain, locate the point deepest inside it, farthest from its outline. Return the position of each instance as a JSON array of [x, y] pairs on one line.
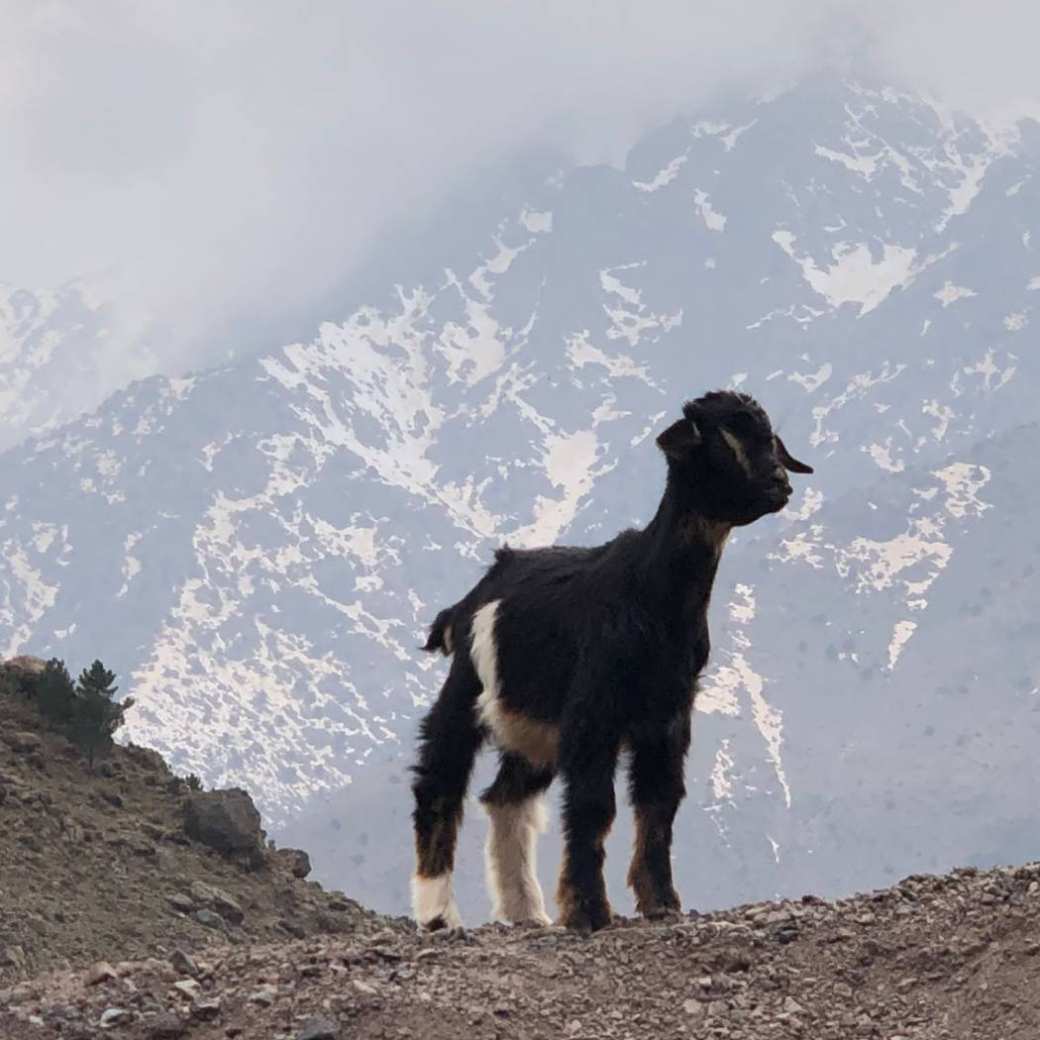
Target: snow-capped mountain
[[257, 548], [58, 351]]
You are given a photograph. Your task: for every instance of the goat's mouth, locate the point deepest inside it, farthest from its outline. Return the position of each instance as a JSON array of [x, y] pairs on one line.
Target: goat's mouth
[[776, 498], [772, 502]]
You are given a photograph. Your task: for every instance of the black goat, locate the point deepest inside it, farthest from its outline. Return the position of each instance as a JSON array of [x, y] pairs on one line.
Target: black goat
[[565, 656]]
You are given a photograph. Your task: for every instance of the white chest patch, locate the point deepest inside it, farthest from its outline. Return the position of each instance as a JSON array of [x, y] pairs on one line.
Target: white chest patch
[[536, 741]]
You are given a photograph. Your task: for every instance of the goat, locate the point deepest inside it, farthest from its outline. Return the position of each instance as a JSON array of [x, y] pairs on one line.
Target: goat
[[565, 656]]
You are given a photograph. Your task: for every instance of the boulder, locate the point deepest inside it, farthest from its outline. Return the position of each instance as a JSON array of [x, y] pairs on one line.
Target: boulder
[[187, 988], [167, 1026], [206, 1011], [319, 1028], [26, 665], [23, 672], [296, 861], [13, 957], [265, 996], [227, 821], [147, 758], [102, 971], [211, 920], [184, 963], [181, 902], [22, 742], [115, 1016], [217, 899]]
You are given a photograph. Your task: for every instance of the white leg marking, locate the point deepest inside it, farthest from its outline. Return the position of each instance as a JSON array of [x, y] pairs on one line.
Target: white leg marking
[[434, 898], [509, 858]]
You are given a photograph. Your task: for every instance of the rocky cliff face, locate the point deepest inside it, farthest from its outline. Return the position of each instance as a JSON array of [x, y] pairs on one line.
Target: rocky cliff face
[[259, 546]]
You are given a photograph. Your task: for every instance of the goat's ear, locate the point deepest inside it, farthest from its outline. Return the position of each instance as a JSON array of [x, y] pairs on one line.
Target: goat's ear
[[680, 439], [789, 461]]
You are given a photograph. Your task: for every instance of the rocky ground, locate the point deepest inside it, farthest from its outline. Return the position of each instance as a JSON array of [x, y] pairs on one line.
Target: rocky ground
[[133, 908], [933, 957]]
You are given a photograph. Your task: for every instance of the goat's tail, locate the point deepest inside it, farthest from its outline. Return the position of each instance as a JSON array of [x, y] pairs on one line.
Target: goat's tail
[[441, 635]]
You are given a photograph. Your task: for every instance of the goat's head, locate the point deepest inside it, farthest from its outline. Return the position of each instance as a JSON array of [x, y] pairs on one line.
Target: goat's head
[[728, 462]]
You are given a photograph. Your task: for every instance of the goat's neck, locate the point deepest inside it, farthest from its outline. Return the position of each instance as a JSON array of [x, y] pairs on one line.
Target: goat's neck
[[681, 553]]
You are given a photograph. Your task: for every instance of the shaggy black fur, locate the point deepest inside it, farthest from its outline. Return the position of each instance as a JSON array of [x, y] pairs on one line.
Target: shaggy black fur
[[600, 648]]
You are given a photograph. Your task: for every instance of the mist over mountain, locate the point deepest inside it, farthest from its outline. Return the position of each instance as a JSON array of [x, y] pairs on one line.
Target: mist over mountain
[[259, 546]]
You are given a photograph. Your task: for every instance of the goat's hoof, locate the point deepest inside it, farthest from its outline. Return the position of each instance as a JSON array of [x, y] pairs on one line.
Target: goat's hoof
[[587, 919], [539, 921], [442, 926], [661, 913], [667, 905]]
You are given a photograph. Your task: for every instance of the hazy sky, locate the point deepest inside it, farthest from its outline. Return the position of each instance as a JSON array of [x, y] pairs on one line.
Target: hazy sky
[[212, 160]]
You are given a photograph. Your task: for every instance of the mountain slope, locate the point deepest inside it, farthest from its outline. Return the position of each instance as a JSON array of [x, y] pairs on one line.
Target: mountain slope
[[58, 350], [260, 545]]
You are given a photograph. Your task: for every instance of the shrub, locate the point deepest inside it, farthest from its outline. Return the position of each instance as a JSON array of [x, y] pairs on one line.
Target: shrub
[[193, 782]]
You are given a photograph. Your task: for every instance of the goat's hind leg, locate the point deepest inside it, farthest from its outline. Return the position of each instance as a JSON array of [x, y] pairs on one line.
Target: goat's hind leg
[[449, 738], [657, 788], [515, 817]]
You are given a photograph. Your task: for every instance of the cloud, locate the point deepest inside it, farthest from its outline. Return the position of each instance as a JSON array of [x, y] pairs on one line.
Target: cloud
[[217, 166]]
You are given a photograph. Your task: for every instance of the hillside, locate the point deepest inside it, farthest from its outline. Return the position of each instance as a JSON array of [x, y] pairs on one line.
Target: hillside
[[99, 864]]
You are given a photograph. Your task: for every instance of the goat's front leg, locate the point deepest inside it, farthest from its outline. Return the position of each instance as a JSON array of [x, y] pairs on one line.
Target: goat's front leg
[[657, 787], [588, 759]]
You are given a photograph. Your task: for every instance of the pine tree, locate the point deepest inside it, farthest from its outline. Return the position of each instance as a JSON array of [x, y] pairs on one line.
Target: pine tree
[[99, 679], [96, 715], [55, 694]]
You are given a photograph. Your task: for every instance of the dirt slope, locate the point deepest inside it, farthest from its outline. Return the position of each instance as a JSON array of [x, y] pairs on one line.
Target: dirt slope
[[98, 864], [943, 957]]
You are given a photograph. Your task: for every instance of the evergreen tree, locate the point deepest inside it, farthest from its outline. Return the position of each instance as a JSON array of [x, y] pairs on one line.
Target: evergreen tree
[[55, 694], [96, 715], [99, 679]]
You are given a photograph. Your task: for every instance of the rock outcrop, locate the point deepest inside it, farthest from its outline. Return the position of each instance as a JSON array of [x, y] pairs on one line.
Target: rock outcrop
[[228, 821]]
